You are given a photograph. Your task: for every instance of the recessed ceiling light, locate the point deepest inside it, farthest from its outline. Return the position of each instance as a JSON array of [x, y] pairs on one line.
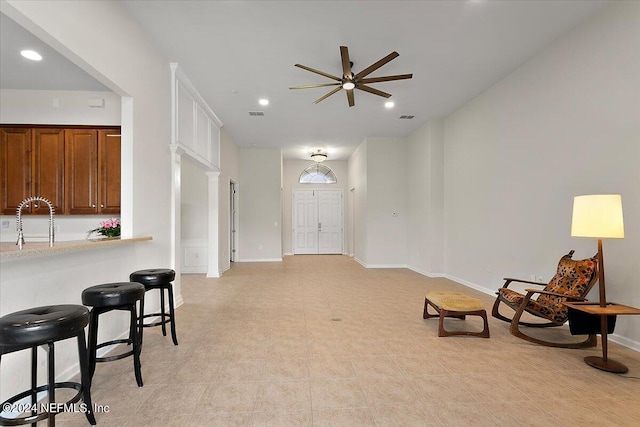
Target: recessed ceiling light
[[389, 104], [31, 54], [263, 101]]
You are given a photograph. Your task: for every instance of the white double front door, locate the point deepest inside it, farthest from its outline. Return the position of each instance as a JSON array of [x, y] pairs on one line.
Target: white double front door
[[317, 221]]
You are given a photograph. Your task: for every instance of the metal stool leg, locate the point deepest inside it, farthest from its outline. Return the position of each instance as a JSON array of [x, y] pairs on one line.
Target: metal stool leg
[[162, 313], [34, 381], [85, 378], [172, 315], [51, 366], [135, 340], [93, 343]]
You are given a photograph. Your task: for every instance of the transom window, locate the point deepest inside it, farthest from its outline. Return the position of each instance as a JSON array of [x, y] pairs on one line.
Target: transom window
[[317, 174]]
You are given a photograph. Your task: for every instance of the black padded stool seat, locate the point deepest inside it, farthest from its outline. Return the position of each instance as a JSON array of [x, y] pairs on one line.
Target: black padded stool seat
[[115, 296], [39, 325], [43, 326], [159, 278]]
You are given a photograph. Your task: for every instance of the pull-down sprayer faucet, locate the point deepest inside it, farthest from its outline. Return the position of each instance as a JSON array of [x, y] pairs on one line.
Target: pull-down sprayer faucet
[[24, 203]]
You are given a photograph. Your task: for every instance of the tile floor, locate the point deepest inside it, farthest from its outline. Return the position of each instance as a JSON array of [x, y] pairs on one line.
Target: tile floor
[[322, 341]]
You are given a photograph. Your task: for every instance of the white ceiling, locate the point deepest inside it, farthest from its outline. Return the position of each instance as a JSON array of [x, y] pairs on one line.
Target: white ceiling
[[54, 72], [236, 52]]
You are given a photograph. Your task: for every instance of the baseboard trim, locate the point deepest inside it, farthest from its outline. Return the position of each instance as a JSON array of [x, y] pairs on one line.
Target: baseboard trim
[[260, 260], [470, 284], [425, 273], [387, 266]]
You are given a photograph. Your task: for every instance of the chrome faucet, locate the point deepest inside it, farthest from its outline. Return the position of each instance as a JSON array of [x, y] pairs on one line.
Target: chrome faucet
[[24, 203]]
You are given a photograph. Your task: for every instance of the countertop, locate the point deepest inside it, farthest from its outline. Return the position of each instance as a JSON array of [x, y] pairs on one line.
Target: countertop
[[10, 251]]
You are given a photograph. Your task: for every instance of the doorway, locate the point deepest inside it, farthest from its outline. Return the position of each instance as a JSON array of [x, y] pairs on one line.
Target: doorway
[[317, 221], [232, 221]]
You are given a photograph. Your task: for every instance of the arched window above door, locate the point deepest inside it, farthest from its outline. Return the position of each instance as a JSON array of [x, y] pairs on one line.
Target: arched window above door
[[317, 174]]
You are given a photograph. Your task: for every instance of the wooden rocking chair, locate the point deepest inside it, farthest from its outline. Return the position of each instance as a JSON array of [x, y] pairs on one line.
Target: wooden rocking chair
[[572, 282]]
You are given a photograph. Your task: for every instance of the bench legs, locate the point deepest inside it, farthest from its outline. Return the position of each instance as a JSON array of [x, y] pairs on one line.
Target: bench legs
[[441, 314]]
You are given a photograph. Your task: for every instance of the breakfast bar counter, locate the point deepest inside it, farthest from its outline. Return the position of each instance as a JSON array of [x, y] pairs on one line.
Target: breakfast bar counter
[[39, 275], [10, 251]]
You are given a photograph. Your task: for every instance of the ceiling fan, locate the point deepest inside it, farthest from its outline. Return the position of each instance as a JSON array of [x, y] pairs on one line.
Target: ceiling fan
[[350, 81]]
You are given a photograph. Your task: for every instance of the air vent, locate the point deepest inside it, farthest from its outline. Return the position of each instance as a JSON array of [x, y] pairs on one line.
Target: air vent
[[256, 113], [405, 116]]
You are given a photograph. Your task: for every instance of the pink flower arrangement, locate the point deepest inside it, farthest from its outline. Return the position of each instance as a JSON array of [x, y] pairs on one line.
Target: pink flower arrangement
[[109, 228]]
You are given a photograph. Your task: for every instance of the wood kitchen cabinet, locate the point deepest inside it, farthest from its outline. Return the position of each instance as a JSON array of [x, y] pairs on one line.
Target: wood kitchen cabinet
[[31, 163], [92, 171], [76, 167], [109, 171]]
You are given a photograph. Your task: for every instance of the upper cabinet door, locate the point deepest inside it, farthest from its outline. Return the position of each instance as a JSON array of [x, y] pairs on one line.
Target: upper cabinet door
[[81, 171], [48, 169], [15, 168], [109, 171]]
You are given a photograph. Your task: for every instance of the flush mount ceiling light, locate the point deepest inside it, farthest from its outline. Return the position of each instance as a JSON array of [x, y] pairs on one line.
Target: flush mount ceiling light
[[31, 54], [263, 101], [389, 104], [318, 156]]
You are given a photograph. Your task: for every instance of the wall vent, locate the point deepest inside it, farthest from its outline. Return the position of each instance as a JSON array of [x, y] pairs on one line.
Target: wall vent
[[407, 116], [256, 113]]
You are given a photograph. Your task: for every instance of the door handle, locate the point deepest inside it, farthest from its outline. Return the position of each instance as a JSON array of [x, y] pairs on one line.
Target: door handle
[[319, 227]]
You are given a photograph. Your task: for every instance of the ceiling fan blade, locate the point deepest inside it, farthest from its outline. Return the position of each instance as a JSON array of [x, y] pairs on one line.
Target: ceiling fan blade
[[373, 91], [346, 64], [371, 68], [386, 78], [322, 73], [312, 86], [352, 102], [322, 98]]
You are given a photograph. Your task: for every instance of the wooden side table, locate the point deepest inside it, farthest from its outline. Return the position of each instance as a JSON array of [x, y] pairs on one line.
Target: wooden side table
[[604, 363]]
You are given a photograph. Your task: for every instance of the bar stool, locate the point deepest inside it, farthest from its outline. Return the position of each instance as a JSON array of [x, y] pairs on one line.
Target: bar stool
[[159, 278], [44, 326], [115, 296]]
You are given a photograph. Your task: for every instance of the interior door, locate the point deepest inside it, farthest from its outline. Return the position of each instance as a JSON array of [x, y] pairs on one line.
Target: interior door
[[330, 222], [305, 222], [317, 222]]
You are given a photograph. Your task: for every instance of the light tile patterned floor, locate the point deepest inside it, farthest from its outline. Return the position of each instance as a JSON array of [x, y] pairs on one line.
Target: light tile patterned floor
[[322, 341]]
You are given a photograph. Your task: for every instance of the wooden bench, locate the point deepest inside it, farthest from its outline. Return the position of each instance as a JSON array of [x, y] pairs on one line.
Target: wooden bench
[[456, 305]]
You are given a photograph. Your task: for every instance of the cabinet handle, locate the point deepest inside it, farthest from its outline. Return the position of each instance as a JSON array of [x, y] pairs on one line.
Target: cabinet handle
[[93, 206], [102, 206], [35, 205]]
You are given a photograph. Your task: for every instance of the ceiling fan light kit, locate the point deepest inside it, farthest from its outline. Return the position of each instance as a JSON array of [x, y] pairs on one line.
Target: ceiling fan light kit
[[350, 81]]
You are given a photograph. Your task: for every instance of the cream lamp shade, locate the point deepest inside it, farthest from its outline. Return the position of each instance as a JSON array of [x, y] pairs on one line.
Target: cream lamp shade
[[598, 215]]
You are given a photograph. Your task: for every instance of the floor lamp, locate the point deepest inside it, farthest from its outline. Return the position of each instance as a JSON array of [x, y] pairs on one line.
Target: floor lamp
[[599, 216]]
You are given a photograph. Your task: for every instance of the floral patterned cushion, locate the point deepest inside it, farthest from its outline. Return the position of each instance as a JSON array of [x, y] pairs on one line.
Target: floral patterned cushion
[[573, 279]]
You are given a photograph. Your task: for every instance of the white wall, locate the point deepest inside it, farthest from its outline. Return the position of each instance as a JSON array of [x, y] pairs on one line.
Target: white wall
[[260, 205], [357, 170], [230, 171], [425, 201], [378, 177], [291, 175], [565, 123], [101, 38], [386, 195], [37, 107], [194, 207]]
